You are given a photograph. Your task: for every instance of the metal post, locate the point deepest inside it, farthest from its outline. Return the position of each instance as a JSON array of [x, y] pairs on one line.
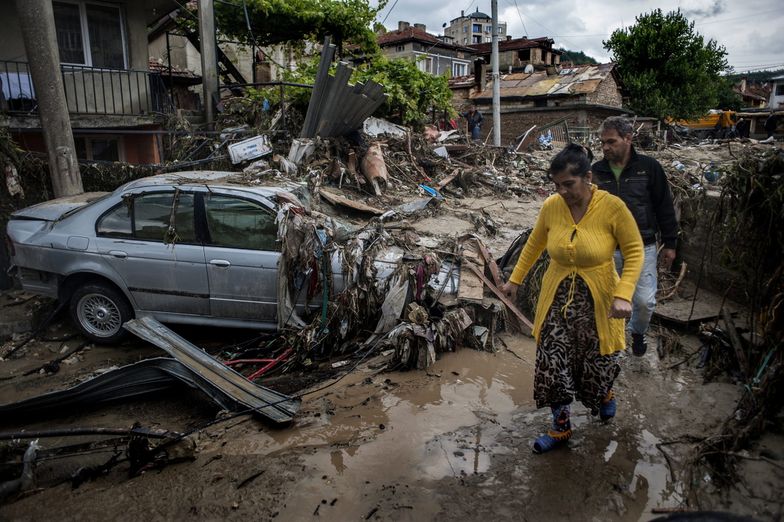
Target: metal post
[[168, 60], [36, 18], [209, 57], [496, 78]]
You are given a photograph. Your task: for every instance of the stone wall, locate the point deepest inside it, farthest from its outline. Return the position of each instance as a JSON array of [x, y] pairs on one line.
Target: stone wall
[[515, 122], [607, 93]]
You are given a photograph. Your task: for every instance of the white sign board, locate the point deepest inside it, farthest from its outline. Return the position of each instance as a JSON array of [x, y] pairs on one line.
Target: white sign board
[[249, 149]]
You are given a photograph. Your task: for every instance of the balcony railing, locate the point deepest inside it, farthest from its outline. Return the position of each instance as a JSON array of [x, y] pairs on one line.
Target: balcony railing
[[88, 90]]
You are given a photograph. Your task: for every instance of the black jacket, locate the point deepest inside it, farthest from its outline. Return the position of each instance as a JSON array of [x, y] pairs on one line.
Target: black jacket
[[643, 186]]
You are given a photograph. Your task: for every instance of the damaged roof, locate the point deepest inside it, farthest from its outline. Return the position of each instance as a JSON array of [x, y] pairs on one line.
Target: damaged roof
[[515, 45], [582, 79]]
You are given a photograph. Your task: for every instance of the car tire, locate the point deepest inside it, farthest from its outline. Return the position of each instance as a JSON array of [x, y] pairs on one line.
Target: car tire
[[99, 311]]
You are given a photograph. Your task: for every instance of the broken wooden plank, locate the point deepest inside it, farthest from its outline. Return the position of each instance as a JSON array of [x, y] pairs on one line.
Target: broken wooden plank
[[470, 288], [337, 199], [509, 304], [447, 180], [737, 345]]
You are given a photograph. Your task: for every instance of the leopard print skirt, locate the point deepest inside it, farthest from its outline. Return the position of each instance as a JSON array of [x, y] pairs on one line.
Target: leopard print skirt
[[568, 363]]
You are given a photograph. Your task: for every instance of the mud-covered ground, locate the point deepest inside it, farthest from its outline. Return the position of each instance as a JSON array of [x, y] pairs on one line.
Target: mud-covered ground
[[453, 442]]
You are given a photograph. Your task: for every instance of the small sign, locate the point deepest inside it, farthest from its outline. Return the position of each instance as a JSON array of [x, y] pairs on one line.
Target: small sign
[[249, 149]]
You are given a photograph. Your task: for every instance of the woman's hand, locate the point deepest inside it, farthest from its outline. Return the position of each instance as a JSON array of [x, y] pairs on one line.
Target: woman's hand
[[509, 289], [620, 309]]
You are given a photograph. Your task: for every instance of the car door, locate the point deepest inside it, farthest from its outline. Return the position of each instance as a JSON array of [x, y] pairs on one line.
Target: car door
[[242, 254], [161, 263]]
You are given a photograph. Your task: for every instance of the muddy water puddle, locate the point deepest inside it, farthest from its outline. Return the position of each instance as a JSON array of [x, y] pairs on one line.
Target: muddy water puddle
[[385, 429]]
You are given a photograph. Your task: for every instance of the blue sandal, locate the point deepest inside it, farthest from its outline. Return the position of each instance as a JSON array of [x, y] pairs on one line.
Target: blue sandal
[[608, 407]]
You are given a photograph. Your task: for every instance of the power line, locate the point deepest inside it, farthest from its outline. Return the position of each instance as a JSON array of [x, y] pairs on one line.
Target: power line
[[388, 13], [520, 15]]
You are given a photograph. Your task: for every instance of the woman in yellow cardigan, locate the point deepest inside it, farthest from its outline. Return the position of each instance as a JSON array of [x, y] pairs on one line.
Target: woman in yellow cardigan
[[579, 322]]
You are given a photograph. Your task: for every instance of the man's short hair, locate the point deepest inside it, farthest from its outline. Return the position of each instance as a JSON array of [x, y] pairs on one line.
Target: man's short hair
[[618, 123]]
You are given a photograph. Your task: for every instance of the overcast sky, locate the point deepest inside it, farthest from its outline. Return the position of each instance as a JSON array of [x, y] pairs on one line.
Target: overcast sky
[[750, 30]]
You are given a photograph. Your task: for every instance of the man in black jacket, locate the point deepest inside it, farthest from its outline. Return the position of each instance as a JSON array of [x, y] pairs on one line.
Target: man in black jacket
[[642, 184]]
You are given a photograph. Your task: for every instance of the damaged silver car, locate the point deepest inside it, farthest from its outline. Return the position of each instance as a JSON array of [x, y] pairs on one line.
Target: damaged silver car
[[182, 248]]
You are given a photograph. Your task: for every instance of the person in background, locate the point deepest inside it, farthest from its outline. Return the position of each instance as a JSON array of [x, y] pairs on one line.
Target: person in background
[[579, 320], [771, 123], [641, 183], [474, 119]]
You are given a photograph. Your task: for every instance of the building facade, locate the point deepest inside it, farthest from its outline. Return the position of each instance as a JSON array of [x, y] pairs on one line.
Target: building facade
[[432, 54], [114, 101], [475, 28], [515, 54]]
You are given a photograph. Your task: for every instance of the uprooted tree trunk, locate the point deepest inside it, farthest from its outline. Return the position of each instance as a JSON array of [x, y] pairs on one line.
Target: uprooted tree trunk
[[374, 168]]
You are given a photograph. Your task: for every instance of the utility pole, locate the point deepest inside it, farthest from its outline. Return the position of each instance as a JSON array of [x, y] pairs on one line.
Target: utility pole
[[36, 18], [496, 78], [209, 57]]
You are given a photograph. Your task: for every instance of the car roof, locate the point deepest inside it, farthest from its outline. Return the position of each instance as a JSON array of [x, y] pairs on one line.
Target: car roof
[[210, 178]]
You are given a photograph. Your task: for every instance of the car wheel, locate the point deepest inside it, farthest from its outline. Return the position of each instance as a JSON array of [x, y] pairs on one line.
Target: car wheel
[[99, 311]]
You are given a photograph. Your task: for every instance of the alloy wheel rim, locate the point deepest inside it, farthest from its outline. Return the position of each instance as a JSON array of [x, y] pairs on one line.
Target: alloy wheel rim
[[99, 315]]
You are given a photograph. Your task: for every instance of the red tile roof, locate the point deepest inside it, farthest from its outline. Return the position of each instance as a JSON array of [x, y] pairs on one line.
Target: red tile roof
[[414, 34]]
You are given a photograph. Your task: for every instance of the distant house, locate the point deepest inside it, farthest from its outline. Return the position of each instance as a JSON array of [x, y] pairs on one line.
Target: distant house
[[753, 95], [583, 96], [116, 103], [433, 55], [475, 28], [515, 54], [777, 93]]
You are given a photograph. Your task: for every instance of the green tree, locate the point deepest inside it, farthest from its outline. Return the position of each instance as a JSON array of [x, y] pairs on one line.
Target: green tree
[[726, 96], [576, 57], [278, 21], [667, 67]]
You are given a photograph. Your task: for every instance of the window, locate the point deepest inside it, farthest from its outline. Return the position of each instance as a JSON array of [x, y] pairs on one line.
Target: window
[[90, 34], [465, 28], [400, 48], [525, 55], [238, 223], [459, 69], [148, 216], [477, 28], [99, 148], [780, 89], [477, 39], [425, 64]]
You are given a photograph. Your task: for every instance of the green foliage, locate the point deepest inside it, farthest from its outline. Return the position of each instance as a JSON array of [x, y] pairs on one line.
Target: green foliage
[[411, 93], [278, 21], [576, 57], [667, 67], [727, 98]]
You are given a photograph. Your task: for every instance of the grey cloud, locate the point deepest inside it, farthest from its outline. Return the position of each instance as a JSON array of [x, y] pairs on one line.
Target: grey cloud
[[717, 8]]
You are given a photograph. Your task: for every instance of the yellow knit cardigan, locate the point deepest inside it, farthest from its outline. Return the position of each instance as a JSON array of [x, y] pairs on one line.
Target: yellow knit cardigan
[[586, 249]]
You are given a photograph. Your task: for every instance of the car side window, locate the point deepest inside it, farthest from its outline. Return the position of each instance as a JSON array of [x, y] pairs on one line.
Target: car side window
[[147, 217], [239, 223]]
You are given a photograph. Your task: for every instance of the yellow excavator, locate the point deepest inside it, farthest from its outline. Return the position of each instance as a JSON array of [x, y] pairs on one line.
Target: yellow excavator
[[715, 124]]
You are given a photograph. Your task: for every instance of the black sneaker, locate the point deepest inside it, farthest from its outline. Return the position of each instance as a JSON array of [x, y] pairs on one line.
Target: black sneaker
[[639, 344]]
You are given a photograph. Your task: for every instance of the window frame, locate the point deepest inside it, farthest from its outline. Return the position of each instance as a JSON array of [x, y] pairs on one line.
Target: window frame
[[197, 201], [207, 236], [88, 145], [88, 56], [779, 89]]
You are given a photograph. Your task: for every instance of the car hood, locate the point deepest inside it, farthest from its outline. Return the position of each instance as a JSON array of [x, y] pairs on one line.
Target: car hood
[[55, 209]]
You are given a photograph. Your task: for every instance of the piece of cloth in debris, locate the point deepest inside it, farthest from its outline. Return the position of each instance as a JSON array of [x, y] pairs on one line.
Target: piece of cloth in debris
[[568, 363], [585, 249]]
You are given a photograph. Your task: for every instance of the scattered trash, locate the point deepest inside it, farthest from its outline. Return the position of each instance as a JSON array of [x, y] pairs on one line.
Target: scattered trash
[[249, 149]]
